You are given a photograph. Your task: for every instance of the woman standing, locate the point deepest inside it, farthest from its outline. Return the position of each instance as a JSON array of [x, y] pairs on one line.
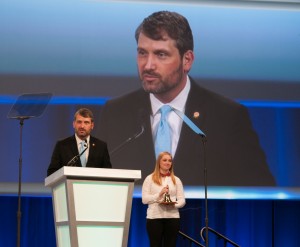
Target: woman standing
[[163, 192]]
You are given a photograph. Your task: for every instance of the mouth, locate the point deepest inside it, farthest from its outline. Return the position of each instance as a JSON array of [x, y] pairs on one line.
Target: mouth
[[149, 77]]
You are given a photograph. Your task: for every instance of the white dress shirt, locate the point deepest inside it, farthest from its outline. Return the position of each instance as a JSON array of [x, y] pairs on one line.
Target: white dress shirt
[[86, 153], [174, 121]]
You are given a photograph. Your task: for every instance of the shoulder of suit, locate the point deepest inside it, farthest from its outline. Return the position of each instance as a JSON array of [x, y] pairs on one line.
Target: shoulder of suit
[[198, 91], [130, 98], [67, 139], [96, 140]]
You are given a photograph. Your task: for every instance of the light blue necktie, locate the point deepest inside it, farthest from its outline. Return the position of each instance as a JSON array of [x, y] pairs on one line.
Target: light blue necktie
[[163, 134], [83, 156]]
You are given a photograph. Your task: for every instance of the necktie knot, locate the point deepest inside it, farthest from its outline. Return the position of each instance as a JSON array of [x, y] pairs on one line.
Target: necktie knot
[[164, 110]]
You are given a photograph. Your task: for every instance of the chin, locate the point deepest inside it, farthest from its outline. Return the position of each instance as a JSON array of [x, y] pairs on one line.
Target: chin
[[152, 88]]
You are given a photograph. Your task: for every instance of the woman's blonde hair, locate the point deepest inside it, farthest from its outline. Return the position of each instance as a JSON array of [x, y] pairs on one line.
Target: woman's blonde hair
[[156, 177]]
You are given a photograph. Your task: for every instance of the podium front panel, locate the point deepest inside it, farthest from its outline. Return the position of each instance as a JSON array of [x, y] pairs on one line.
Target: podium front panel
[[100, 236], [63, 236], [60, 203], [100, 201]]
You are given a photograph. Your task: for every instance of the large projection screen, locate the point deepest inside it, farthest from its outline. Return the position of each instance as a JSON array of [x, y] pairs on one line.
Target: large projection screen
[[84, 53]]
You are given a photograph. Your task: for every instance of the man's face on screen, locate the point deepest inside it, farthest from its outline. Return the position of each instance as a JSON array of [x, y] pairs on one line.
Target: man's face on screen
[[160, 67], [83, 126]]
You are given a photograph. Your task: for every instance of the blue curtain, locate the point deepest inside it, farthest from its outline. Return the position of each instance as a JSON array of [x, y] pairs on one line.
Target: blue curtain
[[249, 223]]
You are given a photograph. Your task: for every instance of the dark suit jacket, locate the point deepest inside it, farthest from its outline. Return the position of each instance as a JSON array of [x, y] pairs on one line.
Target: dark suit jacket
[[232, 153], [66, 149]]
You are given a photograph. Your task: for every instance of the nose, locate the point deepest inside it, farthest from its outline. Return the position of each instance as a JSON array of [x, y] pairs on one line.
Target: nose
[[150, 63], [168, 163]]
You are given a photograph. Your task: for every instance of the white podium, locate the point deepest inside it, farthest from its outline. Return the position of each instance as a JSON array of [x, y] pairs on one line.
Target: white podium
[[92, 206]]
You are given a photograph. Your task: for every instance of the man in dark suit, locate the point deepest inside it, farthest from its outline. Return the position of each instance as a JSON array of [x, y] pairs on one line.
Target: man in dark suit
[[232, 154], [94, 153]]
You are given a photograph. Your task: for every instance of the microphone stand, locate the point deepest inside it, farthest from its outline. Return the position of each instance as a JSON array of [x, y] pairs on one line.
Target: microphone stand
[[197, 130], [219, 236], [136, 135], [76, 157], [205, 190], [27, 106], [19, 213]]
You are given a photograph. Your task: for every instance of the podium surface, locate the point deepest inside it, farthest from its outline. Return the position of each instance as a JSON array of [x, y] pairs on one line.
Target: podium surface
[[92, 206]]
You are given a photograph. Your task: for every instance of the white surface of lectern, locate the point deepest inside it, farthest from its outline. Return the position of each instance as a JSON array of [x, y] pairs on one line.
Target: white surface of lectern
[[92, 206]]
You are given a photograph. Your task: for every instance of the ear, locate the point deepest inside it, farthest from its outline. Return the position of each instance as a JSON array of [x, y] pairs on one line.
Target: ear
[[188, 59]]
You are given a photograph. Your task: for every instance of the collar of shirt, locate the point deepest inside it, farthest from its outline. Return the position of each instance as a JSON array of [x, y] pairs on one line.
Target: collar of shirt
[[78, 140], [177, 103], [174, 121], [168, 174]]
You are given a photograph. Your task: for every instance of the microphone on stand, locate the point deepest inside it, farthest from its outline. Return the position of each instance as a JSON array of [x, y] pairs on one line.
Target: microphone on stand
[[135, 136], [198, 131], [140, 122], [76, 157]]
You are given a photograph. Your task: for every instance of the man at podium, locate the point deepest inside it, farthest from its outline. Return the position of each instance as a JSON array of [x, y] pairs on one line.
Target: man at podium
[[80, 149]]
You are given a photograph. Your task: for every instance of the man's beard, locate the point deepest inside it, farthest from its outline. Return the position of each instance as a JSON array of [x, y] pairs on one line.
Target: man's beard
[[82, 134], [167, 84]]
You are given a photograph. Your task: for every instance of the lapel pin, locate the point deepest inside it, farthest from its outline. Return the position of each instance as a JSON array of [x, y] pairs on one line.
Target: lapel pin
[[196, 115]]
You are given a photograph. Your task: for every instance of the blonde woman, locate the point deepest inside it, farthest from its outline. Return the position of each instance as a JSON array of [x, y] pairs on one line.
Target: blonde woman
[[163, 192]]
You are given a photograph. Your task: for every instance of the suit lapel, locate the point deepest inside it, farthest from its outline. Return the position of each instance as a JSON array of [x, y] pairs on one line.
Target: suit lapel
[[147, 138], [194, 112], [92, 149], [74, 148], [73, 145]]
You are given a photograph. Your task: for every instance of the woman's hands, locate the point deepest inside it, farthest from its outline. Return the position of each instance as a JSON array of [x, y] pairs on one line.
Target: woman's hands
[[164, 191]]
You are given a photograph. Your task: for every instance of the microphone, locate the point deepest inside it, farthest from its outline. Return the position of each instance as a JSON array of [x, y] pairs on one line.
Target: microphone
[[76, 157], [140, 122], [135, 136], [85, 145]]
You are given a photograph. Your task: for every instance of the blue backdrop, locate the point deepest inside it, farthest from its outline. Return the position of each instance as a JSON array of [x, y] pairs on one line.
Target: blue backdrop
[[249, 223]]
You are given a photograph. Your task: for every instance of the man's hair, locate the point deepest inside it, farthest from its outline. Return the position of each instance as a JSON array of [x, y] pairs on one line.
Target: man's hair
[[173, 24], [84, 112]]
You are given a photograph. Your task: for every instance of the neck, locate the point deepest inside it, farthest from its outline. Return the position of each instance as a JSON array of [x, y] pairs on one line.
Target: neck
[[83, 138]]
